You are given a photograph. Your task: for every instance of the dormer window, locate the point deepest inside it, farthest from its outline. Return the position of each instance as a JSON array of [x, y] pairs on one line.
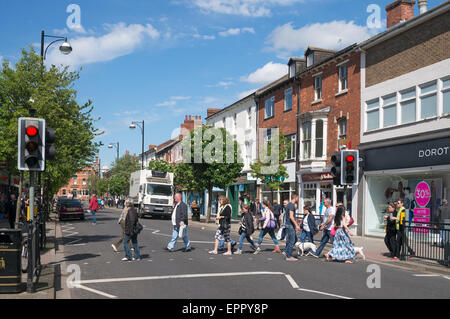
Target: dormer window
[[310, 60], [292, 70]]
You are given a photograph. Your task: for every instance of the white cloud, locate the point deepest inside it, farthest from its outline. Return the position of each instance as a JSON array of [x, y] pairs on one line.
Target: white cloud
[[267, 74], [248, 8], [245, 94], [224, 84], [236, 31], [120, 40], [286, 41], [167, 103], [180, 98], [174, 100]]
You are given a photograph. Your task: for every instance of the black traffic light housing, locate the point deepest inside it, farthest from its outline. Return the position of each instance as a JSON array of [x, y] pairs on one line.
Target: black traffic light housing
[[31, 145], [336, 162], [350, 167], [50, 137]]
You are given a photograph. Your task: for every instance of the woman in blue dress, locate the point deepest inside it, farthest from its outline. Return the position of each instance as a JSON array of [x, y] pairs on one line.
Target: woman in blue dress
[[343, 249]]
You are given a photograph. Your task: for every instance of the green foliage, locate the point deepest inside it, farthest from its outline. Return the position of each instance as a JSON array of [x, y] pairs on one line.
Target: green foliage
[[119, 181], [97, 185], [208, 164], [161, 166], [54, 100], [272, 173]]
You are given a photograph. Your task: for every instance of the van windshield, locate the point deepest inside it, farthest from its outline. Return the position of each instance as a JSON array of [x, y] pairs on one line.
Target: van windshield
[[161, 190]]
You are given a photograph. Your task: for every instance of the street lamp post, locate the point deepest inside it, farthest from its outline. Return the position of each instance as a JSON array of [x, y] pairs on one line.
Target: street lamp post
[[142, 127], [65, 48], [117, 146]]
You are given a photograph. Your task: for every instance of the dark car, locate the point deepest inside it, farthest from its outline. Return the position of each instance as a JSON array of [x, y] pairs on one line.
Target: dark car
[[70, 209]]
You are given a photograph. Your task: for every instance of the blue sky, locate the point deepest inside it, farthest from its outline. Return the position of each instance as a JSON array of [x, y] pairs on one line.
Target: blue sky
[[161, 60]]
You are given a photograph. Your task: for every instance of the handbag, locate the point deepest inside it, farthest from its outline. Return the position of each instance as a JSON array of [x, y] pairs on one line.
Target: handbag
[[351, 222], [333, 231], [138, 228], [182, 231]]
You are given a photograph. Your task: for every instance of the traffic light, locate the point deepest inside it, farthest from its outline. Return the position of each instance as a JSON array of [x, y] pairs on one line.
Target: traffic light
[[336, 161], [350, 167], [31, 145], [50, 137]]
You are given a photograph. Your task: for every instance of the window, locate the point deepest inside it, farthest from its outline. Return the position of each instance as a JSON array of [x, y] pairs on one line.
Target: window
[[64, 192], [267, 135], [408, 105], [224, 122], [235, 121], [342, 129], [84, 181], [249, 149], [446, 95], [74, 181], [318, 87], [319, 138], [292, 70], [306, 140], [428, 100], [269, 107], [249, 117], [290, 151], [390, 110], [373, 114], [310, 60], [288, 99], [343, 77]]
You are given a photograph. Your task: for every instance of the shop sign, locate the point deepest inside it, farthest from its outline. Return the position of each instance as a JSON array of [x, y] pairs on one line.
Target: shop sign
[[317, 177], [420, 154], [422, 194]]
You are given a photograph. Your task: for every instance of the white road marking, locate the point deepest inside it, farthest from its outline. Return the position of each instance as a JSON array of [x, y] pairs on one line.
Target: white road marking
[[292, 281], [69, 229], [98, 292], [426, 275], [324, 293]]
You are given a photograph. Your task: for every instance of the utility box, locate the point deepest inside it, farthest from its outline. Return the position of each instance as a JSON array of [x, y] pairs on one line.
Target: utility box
[[10, 261]]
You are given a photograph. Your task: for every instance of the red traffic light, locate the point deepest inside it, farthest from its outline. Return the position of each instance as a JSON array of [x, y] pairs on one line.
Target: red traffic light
[[350, 158], [32, 131]]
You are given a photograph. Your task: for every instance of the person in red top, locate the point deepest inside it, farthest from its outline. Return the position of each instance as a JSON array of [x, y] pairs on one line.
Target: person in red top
[[93, 207]]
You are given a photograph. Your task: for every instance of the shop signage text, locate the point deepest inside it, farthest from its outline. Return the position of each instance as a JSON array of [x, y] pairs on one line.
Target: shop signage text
[[422, 194], [317, 177]]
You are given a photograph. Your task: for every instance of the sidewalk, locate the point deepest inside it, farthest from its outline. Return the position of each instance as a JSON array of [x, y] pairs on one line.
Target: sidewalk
[[45, 283]]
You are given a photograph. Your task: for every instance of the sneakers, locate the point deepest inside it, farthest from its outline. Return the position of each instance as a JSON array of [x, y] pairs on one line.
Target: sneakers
[[114, 248], [238, 252], [228, 254], [291, 259], [257, 251], [276, 250], [126, 259], [136, 259], [311, 254]]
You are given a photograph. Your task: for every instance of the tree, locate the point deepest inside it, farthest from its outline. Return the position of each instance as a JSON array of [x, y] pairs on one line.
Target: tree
[[119, 181], [212, 159], [161, 166], [269, 168], [51, 93], [98, 185]]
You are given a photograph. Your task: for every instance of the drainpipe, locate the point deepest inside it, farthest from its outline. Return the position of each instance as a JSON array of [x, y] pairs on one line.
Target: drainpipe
[[297, 142]]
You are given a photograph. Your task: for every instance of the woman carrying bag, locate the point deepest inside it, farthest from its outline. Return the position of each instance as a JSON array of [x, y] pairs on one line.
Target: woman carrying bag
[[268, 227], [132, 229], [246, 229], [223, 233], [343, 249]]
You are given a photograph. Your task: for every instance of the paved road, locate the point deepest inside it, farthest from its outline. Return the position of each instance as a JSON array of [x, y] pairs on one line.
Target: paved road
[[197, 274]]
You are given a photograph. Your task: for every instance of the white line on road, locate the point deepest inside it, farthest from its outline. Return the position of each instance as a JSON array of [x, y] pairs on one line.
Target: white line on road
[[98, 292], [323, 293], [426, 275]]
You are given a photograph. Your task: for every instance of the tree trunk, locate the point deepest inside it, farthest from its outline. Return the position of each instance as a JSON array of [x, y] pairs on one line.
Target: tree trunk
[[208, 211], [19, 202]]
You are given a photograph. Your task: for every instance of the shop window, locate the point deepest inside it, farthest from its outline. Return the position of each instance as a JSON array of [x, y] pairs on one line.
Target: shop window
[[64, 192], [288, 99], [408, 106], [428, 100], [373, 114], [343, 77], [446, 95], [290, 152], [306, 140]]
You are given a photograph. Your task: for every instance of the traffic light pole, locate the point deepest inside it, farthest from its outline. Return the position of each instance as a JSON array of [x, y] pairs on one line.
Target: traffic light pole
[[30, 286]]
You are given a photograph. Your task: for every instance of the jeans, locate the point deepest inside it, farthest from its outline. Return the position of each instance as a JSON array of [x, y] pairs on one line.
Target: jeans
[[222, 244], [443, 237], [133, 239], [176, 230], [306, 234], [241, 241], [325, 238], [119, 242], [93, 216], [291, 238], [269, 231]]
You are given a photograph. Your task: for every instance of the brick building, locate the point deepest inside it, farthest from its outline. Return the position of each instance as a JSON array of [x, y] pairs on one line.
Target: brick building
[[78, 185], [405, 107]]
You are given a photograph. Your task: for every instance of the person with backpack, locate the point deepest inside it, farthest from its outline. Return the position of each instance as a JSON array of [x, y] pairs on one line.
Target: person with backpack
[[132, 231], [246, 229], [94, 207], [268, 227]]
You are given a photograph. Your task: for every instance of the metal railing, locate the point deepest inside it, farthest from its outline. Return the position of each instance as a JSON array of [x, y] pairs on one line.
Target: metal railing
[[430, 241]]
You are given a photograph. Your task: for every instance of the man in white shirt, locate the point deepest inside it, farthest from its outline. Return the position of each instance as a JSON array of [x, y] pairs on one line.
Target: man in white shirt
[[179, 219], [325, 227]]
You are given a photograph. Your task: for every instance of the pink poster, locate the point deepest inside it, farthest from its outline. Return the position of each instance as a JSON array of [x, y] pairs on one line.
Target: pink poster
[[421, 219]]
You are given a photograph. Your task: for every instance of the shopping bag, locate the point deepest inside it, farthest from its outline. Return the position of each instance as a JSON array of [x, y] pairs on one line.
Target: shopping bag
[[182, 231]]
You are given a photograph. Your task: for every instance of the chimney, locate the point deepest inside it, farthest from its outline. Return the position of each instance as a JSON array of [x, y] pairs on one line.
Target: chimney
[[423, 6], [211, 112], [399, 11]]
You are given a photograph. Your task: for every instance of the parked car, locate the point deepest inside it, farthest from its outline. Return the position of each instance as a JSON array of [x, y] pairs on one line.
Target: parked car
[[70, 209]]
